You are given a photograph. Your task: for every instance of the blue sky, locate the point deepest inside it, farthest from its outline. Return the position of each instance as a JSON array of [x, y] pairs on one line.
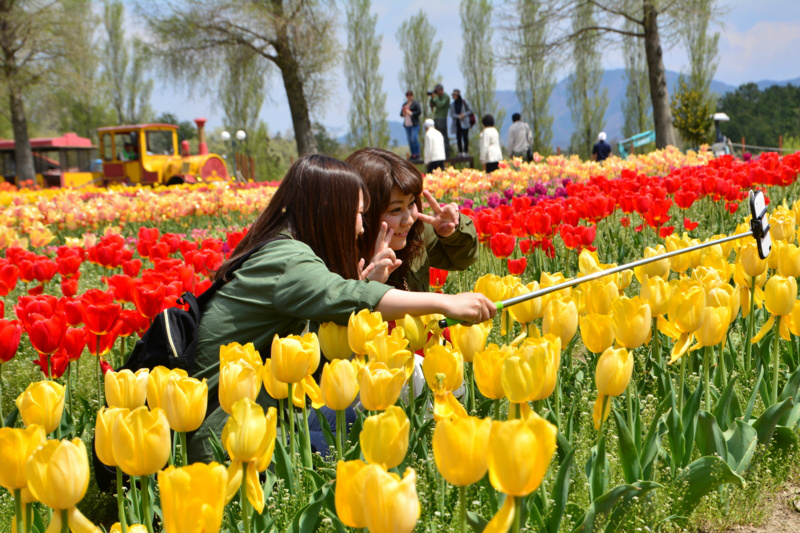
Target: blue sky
[[759, 40]]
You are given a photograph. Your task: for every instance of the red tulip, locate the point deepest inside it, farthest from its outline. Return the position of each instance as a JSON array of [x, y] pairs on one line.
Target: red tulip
[[526, 246], [235, 237], [69, 287], [149, 234], [57, 364], [69, 265], [689, 225], [502, 245], [74, 343], [36, 290], [517, 266], [46, 333], [149, 298], [106, 341], [44, 270], [26, 271], [73, 310], [9, 274], [171, 240], [438, 278], [10, 333], [100, 319], [131, 268], [625, 221], [122, 286]]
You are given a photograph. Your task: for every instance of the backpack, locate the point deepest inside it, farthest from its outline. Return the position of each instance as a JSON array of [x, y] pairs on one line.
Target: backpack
[[171, 340]]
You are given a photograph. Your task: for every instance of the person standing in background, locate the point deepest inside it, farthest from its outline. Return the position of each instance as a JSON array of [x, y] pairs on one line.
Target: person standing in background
[[440, 105], [491, 154], [434, 147], [460, 112], [519, 138], [601, 149], [410, 112]]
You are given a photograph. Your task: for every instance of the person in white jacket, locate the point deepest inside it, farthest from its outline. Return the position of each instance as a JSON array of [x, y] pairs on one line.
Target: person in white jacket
[[434, 147], [491, 154]]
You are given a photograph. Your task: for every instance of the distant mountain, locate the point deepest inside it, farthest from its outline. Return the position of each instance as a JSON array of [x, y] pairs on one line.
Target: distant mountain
[[613, 81]]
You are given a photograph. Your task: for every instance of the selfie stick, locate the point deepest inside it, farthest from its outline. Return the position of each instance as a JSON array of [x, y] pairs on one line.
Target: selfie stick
[[759, 229]]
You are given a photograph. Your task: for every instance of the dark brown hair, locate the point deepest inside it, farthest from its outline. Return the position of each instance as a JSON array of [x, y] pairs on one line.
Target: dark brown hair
[[317, 202], [382, 171]]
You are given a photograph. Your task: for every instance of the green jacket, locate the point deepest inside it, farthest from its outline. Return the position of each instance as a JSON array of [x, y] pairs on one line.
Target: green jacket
[[277, 291], [441, 106], [456, 252]]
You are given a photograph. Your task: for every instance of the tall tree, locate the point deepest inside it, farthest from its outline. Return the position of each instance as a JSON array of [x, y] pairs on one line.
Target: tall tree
[[416, 37], [535, 72], [587, 101], [367, 114], [477, 60], [190, 38], [636, 106], [25, 46]]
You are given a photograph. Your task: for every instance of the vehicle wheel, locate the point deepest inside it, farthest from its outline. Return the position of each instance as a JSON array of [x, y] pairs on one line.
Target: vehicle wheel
[[175, 180]]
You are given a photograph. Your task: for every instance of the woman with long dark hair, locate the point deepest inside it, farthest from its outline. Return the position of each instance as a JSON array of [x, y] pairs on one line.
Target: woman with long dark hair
[[309, 269], [443, 240]]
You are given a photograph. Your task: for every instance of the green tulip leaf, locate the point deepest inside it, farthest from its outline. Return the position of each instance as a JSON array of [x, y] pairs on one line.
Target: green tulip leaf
[[476, 522], [709, 438], [560, 492], [596, 469], [675, 437], [784, 440], [631, 467], [792, 387], [724, 411], [283, 465], [596, 517], [792, 418], [689, 419], [652, 442], [308, 517], [326, 429], [766, 423], [741, 440], [753, 395], [700, 478]]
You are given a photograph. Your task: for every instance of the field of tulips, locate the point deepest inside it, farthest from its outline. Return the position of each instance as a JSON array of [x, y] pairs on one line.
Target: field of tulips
[[661, 399]]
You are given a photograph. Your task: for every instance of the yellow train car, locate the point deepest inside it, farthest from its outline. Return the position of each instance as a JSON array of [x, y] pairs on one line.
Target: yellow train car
[[66, 161]]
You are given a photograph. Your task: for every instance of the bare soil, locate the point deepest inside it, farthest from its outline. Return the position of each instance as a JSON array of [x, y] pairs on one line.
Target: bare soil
[[785, 515]]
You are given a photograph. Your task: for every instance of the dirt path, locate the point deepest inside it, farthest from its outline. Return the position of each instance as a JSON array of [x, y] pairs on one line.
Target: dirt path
[[785, 516]]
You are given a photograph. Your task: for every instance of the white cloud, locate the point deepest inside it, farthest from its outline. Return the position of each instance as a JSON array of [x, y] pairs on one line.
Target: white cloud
[[766, 50]]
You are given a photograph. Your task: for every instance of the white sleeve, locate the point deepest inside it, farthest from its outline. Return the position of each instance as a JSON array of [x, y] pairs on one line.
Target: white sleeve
[[484, 146], [428, 149]]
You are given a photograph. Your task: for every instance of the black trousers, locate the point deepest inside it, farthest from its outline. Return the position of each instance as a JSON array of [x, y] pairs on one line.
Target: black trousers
[[441, 125], [433, 165], [462, 137], [491, 167]]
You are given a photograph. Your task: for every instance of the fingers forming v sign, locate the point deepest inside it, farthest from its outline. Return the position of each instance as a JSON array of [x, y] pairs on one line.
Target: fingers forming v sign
[[445, 218], [384, 262]]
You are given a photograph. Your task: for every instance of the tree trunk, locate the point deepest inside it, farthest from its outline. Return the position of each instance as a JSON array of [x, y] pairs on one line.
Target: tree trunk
[[659, 94], [23, 157]]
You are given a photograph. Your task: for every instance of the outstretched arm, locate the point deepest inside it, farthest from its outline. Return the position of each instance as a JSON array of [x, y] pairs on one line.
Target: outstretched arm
[[469, 306]]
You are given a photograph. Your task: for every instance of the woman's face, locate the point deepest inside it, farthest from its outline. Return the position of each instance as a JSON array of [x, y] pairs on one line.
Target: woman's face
[[400, 216], [359, 222]]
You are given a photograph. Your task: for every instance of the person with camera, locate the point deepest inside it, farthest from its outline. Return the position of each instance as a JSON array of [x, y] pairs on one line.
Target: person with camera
[[461, 112], [520, 138], [410, 112], [440, 105]]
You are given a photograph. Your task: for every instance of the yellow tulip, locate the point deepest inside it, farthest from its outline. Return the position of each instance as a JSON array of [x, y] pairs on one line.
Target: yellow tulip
[[600, 413], [416, 331], [16, 446], [237, 380], [600, 294], [443, 369], [793, 318], [589, 262], [390, 503], [789, 260], [470, 339], [185, 401], [349, 494], [715, 325], [624, 278], [141, 441], [362, 327], [384, 438], [519, 454], [597, 332], [529, 311], [530, 374], [58, 473], [751, 263], [561, 319], [780, 294], [42, 403], [718, 264], [782, 225], [339, 384], [492, 286], [157, 380], [380, 386], [125, 389], [293, 357], [549, 280], [390, 349], [237, 352], [724, 295], [193, 497], [613, 372], [277, 389], [510, 282], [459, 449], [631, 317], [686, 307], [333, 341], [488, 368], [679, 263], [655, 291], [132, 528], [103, 437], [657, 268], [307, 387]]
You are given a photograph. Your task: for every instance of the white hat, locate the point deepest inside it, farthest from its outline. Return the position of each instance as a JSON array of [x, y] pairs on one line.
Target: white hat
[[428, 123], [602, 136]]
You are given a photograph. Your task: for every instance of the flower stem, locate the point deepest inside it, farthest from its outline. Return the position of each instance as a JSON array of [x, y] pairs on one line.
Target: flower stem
[[707, 376], [123, 522], [184, 451], [471, 402], [656, 354], [18, 510], [146, 516], [2, 418], [775, 359], [680, 382], [307, 451], [517, 513], [70, 388], [497, 409], [339, 435], [748, 345], [245, 504], [291, 424], [629, 398], [462, 499], [64, 520], [136, 499]]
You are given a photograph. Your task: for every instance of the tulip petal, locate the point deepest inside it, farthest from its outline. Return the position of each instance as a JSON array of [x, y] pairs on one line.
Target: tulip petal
[[502, 521], [764, 329], [680, 347], [55, 523], [313, 391], [784, 328], [598, 411], [447, 406], [235, 473], [79, 523], [253, 488]]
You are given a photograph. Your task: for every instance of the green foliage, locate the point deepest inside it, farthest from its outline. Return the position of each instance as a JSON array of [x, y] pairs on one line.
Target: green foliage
[[637, 108], [761, 116], [187, 130], [691, 113], [416, 38]]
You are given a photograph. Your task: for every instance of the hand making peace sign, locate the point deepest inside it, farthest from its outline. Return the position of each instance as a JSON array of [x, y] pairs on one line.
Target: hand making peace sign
[[384, 262], [445, 218]]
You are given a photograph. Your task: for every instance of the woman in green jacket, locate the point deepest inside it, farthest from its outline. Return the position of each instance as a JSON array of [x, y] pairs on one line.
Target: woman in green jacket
[[444, 240], [308, 270]]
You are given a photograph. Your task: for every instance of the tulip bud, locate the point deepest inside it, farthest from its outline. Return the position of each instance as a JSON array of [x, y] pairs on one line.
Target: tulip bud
[[277, 389], [600, 294], [293, 357], [530, 375], [679, 263], [384, 438], [780, 294], [193, 497], [631, 317], [488, 368], [655, 291], [363, 327], [333, 341], [789, 260], [492, 286], [597, 332], [125, 389], [248, 435], [42, 404], [390, 504], [782, 225], [657, 268], [238, 380], [16, 446], [519, 454], [715, 326], [157, 380], [561, 319], [415, 330], [529, 311], [380, 386], [103, 438], [185, 402], [339, 384], [613, 372], [470, 339], [459, 449], [58, 473], [445, 362], [350, 477], [686, 307], [390, 349], [141, 441]]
